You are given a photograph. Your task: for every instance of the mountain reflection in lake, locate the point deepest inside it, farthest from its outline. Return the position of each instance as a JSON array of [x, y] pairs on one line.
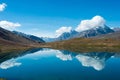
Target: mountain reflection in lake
[[50, 64]]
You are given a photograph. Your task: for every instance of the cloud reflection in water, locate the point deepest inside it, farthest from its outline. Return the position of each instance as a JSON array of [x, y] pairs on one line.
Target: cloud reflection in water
[[9, 63], [95, 60]]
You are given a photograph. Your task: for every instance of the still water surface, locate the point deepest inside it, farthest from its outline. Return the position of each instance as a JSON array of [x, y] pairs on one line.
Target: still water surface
[[50, 64]]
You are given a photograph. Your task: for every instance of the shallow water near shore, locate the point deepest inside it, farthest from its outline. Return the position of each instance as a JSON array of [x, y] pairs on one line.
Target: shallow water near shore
[[50, 64]]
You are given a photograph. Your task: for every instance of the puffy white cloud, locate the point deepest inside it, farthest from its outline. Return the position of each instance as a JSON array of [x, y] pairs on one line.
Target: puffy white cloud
[[2, 6], [9, 63], [62, 30], [96, 21], [9, 25], [97, 64]]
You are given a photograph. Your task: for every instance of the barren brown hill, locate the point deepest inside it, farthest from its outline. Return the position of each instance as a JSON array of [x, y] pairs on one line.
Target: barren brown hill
[[11, 41]]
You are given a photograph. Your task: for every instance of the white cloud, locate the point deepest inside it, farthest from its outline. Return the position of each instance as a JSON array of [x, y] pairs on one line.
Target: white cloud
[[9, 63], [96, 21], [62, 30], [97, 64], [2, 6], [9, 25]]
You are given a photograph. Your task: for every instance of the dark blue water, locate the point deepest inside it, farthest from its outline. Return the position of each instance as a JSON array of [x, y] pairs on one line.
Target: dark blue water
[[49, 64]]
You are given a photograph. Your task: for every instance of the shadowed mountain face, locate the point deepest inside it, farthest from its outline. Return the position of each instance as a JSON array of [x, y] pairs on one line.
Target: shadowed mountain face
[[9, 38], [67, 35], [31, 37]]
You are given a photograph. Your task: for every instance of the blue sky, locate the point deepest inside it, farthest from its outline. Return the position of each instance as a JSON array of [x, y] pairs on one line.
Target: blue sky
[[44, 17]]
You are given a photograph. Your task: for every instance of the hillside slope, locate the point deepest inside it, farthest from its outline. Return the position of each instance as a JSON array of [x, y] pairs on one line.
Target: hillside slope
[[31, 37], [11, 41], [115, 35]]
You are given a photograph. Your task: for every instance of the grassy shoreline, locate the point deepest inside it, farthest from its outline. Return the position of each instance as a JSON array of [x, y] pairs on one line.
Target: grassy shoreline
[[13, 48], [76, 45], [87, 45]]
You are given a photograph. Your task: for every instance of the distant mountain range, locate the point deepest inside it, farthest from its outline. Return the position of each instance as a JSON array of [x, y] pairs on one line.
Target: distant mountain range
[[97, 31], [86, 34]]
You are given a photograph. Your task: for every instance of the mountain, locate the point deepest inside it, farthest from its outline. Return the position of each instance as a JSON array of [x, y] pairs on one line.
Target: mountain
[[114, 35], [94, 32], [10, 41], [116, 29], [10, 36], [67, 35], [64, 36], [85, 34], [31, 37]]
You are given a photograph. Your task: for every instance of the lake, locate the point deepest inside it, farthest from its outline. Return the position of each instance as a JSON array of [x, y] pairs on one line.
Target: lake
[[50, 64]]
